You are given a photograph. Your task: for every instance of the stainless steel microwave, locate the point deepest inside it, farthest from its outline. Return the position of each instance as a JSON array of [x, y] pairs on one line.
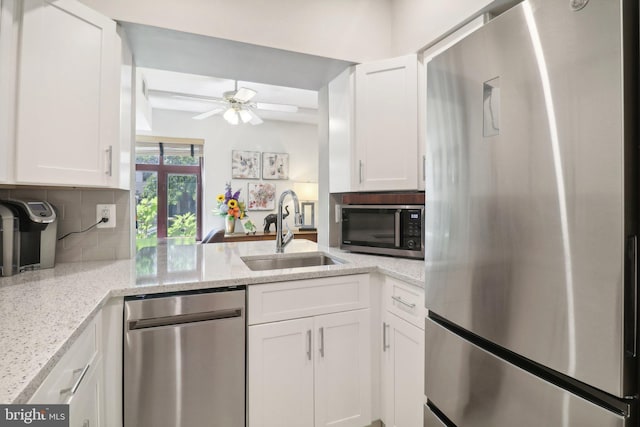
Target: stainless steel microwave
[[396, 230]]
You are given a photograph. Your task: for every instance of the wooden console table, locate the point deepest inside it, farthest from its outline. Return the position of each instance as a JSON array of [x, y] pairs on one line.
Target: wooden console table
[[261, 235]]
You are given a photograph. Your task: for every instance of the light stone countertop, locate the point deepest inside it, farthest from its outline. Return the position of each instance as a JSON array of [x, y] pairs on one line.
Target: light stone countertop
[[42, 312]]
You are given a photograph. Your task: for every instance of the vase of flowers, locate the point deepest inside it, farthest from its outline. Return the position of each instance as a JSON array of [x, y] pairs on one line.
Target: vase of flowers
[[230, 207]]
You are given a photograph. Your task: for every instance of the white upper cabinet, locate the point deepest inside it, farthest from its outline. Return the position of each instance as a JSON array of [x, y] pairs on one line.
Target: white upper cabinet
[[373, 127], [68, 100], [341, 132], [9, 14], [386, 124]]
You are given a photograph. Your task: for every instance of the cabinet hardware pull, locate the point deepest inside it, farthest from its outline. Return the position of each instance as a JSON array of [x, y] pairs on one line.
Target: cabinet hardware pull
[[385, 346], [401, 301], [360, 172], [85, 423], [424, 167], [322, 342], [110, 160], [72, 390], [309, 344]]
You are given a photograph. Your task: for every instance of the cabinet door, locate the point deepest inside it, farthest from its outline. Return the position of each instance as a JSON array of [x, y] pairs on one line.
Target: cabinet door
[[67, 122], [402, 372], [343, 369], [9, 31], [341, 124], [280, 374], [386, 124], [85, 405]]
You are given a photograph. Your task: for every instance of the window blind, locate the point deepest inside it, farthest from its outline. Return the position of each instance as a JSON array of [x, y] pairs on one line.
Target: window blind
[[167, 146]]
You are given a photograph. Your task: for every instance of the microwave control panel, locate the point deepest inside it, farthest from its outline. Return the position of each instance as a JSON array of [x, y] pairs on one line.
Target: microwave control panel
[[412, 228]]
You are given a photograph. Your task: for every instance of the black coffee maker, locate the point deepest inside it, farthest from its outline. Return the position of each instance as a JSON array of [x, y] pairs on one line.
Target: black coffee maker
[[35, 242]]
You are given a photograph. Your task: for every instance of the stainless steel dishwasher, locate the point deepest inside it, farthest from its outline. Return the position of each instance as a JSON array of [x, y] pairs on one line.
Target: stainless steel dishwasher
[[184, 359]]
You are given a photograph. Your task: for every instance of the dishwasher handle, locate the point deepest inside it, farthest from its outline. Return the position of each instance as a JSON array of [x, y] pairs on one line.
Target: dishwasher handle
[[180, 319]]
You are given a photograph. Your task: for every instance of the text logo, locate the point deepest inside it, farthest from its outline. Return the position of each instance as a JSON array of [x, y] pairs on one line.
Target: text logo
[[34, 415]]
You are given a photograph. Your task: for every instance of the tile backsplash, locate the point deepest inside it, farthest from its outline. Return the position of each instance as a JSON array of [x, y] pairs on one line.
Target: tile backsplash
[[77, 211]]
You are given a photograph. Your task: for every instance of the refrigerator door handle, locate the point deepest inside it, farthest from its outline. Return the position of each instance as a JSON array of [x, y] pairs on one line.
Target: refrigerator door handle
[[631, 298], [634, 268]]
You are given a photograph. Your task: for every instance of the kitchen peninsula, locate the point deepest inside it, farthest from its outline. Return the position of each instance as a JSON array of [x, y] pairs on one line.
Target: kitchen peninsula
[[45, 311]]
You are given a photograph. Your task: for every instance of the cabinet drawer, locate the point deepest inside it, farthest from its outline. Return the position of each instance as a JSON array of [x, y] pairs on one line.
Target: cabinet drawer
[[72, 369], [301, 298], [404, 300]]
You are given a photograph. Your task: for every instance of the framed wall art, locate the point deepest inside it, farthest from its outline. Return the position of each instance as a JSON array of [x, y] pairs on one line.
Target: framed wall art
[[275, 166], [245, 164], [262, 196]]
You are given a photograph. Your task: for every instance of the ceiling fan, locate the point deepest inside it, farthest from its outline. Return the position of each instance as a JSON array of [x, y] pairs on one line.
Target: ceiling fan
[[236, 106]]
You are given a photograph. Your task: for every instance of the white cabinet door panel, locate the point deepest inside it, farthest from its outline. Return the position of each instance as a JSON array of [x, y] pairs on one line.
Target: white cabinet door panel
[[402, 372], [280, 374], [386, 124], [343, 369], [68, 94]]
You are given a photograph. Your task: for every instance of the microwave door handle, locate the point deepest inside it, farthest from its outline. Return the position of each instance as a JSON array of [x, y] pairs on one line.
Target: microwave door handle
[[397, 228]]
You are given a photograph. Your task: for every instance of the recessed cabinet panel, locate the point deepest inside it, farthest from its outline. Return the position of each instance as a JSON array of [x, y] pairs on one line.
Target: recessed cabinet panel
[[386, 124], [343, 369], [67, 123], [9, 33], [288, 300], [280, 374]]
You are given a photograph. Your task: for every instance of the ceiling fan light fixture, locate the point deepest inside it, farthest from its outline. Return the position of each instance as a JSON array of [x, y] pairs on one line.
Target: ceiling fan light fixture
[[231, 116], [245, 116]]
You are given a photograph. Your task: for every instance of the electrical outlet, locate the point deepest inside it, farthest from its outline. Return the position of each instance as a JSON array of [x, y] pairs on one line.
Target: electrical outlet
[[106, 211]]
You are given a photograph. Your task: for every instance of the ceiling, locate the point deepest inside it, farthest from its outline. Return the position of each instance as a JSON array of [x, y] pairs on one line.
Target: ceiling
[[169, 90], [185, 63]]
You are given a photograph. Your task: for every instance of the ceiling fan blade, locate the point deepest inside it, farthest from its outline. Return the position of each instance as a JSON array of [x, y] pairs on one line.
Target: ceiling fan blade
[[179, 95], [285, 108], [244, 95], [208, 113], [255, 120]]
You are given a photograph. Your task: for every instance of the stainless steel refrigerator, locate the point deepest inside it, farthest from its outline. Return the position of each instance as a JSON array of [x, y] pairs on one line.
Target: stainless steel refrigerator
[[532, 220]]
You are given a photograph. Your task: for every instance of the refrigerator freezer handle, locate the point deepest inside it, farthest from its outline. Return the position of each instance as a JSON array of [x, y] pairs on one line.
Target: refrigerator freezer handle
[[631, 298]]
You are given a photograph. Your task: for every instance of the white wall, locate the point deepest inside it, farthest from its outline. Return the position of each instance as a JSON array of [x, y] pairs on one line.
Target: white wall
[[416, 23], [298, 139], [351, 30]]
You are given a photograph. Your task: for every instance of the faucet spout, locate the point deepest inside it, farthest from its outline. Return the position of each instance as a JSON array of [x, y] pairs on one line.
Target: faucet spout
[[281, 241]]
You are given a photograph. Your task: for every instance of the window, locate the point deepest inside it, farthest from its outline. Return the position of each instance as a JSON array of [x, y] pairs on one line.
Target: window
[[168, 189]]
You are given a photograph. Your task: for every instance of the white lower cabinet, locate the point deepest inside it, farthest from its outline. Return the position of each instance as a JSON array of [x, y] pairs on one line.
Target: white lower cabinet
[[78, 379], [311, 371], [85, 407], [402, 355], [280, 374], [402, 372], [343, 369]]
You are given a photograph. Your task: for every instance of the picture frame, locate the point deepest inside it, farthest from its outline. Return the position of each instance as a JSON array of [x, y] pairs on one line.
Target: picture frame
[[261, 196], [245, 164], [275, 166]]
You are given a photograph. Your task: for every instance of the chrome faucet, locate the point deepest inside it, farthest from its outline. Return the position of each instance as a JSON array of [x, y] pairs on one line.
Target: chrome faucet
[[281, 242]]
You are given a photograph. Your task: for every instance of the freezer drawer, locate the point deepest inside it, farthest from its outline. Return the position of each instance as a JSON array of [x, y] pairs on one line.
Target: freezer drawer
[[474, 388]]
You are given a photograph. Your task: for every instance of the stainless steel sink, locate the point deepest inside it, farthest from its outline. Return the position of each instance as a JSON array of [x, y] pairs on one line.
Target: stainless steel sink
[[277, 262]]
